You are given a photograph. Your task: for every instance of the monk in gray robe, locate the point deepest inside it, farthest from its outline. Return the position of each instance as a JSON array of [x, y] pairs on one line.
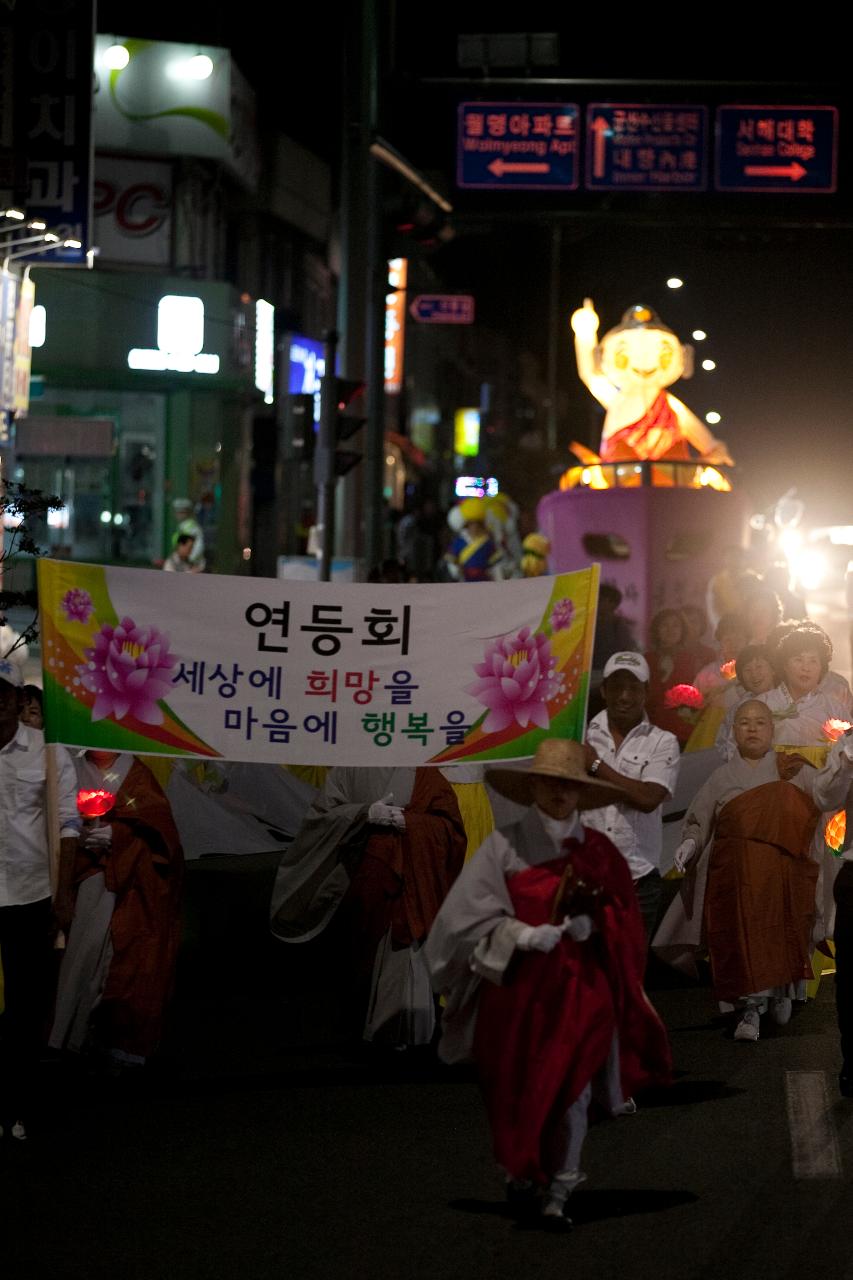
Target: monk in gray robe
[[378, 851], [749, 896]]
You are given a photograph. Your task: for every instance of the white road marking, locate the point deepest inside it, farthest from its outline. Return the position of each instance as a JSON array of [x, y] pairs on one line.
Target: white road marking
[[814, 1142]]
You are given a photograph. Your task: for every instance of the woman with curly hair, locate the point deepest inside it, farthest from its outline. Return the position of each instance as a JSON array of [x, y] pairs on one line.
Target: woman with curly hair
[[670, 663], [808, 693]]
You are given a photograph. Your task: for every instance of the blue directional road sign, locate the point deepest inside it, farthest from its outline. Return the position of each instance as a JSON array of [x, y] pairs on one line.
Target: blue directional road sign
[[792, 149], [505, 146], [632, 147], [443, 308]]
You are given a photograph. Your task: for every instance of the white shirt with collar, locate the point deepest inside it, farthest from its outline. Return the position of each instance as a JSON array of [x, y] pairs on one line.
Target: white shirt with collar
[[24, 855], [647, 754]]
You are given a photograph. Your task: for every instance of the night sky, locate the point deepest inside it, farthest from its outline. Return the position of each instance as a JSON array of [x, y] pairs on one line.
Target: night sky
[[769, 278]]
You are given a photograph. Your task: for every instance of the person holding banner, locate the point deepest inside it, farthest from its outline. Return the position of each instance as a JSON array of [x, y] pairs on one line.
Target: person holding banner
[[539, 952], [378, 851], [27, 923], [118, 969]]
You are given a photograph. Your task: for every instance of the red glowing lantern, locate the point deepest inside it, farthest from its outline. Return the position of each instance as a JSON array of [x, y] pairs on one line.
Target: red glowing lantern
[[94, 804], [683, 695]]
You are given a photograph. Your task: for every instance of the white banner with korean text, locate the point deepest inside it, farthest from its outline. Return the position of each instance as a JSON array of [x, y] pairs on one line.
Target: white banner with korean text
[[254, 669]]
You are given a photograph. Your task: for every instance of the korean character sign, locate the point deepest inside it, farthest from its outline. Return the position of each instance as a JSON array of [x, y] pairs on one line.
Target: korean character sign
[[313, 673]]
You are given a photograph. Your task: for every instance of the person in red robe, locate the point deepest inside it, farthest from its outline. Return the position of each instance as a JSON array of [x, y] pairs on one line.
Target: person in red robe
[[539, 951], [118, 970]]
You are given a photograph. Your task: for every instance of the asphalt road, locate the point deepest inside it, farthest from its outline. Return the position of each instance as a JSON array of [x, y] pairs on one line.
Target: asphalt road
[[267, 1146]]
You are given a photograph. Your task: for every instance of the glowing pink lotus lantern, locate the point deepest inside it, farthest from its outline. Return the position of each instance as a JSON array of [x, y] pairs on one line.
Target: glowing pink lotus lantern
[[833, 729], [94, 804]]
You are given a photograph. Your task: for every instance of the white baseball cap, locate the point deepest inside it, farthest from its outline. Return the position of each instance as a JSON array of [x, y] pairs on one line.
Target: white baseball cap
[[11, 673], [628, 661]]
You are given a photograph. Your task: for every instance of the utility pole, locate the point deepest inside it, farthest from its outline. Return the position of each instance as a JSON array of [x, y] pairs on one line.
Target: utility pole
[[324, 457], [377, 288], [555, 335]]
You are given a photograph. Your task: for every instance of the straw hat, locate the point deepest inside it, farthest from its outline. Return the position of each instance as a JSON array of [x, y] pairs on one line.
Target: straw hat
[[555, 758]]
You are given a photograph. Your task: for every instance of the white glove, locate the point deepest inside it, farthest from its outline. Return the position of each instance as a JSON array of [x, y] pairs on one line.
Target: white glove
[[539, 937], [383, 814], [684, 853], [578, 927], [98, 839]]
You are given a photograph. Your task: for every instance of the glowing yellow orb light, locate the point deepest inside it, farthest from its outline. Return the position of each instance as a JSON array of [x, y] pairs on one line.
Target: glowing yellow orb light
[[699, 335], [709, 365], [116, 57], [674, 282], [713, 417]]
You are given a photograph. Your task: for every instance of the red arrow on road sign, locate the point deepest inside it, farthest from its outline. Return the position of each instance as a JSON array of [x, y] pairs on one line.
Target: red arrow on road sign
[[500, 167], [793, 171], [599, 128]]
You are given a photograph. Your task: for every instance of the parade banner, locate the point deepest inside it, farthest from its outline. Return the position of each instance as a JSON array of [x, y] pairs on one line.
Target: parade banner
[[256, 669]]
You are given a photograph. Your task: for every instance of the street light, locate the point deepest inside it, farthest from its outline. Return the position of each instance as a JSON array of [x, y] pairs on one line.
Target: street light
[[34, 224], [674, 282], [14, 215], [713, 417], [55, 243], [699, 335], [708, 365], [49, 237]]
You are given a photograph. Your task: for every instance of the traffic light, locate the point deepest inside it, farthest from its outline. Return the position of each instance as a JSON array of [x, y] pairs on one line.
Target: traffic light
[[299, 427], [346, 424]]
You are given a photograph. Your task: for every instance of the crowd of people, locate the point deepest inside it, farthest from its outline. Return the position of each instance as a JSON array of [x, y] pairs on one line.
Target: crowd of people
[[504, 916]]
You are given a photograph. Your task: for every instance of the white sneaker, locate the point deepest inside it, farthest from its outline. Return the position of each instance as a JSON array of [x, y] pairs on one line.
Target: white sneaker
[[558, 1193], [627, 1108], [780, 1010], [747, 1028]]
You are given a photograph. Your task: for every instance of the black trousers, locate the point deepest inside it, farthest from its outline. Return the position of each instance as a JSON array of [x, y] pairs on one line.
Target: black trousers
[[649, 889], [26, 949], [844, 960]]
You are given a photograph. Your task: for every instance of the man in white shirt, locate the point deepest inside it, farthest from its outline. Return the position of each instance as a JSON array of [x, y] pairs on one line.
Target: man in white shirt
[[26, 918], [625, 748]]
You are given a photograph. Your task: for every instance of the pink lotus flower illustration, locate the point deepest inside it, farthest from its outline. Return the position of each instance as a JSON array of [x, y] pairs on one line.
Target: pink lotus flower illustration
[[77, 605], [562, 615], [518, 678], [129, 671]]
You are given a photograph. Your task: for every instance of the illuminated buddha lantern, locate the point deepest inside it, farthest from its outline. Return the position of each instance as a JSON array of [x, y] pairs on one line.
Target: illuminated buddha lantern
[[628, 372]]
